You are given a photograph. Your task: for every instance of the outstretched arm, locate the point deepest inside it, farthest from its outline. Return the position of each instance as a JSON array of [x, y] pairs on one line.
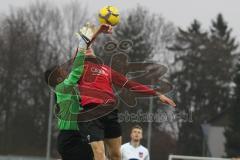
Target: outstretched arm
[[77, 68], [104, 28], [136, 87], [78, 62], [89, 33], [84, 43]]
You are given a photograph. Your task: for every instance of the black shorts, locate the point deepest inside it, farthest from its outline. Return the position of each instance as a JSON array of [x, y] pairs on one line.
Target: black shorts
[[72, 146], [105, 127]]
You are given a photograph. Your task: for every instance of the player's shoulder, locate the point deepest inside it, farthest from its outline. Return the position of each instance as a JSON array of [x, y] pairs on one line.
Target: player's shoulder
[[125, 145]]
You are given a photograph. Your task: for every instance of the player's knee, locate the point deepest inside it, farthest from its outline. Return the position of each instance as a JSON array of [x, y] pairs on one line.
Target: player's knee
[[98, 150], [99, 154], [115, 155]]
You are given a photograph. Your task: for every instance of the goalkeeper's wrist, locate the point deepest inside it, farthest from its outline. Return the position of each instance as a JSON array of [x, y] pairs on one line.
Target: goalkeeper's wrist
[[82, 44], [81, 49]]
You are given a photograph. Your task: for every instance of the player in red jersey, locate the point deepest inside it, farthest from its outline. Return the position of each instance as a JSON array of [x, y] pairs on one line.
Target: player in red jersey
[[101, 124]]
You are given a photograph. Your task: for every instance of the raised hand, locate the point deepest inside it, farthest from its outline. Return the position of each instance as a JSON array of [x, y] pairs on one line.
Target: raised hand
[[166, 100], [87, 34], [105, 28]]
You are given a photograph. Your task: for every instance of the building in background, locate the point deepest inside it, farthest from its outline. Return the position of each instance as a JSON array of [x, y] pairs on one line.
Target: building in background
[[214, 138]]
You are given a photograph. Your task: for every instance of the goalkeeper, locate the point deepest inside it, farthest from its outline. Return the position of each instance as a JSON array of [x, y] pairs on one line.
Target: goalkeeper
[[71, 145]]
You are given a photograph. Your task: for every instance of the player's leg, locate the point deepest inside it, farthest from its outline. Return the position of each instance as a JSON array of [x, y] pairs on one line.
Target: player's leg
[[98, 150], [72, 146], [113, 146], [106, 127], [112, 135], [94, 132]]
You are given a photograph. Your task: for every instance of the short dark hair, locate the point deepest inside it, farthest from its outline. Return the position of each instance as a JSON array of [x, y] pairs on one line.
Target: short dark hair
[[136, 127], [48, 75], [52, 75]]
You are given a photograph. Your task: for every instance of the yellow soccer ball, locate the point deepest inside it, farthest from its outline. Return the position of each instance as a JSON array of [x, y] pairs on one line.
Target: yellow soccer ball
[[109, 15]]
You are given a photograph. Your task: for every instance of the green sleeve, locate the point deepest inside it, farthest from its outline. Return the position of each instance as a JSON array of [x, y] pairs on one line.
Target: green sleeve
[[68, 96], [77, 69]]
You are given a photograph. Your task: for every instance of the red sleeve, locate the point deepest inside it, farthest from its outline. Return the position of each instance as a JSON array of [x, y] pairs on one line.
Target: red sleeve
[[117, 78], [139, 88], [122, 81]]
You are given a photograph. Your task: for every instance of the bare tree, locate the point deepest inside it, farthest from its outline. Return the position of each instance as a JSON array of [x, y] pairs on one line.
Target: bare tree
[[33, 38]]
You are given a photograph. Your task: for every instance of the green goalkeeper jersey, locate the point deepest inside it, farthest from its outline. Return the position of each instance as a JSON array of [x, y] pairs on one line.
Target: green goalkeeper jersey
[[68, 97]]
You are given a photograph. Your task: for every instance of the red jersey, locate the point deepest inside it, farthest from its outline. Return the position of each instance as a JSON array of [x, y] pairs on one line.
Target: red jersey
[[96, 83]]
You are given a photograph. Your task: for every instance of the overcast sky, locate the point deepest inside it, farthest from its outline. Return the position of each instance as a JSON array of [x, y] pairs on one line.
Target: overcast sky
[[180, 12]]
